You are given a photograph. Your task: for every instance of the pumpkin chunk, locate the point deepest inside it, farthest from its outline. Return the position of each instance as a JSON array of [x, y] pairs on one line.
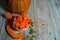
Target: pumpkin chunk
[[8, 15], [12, 34]]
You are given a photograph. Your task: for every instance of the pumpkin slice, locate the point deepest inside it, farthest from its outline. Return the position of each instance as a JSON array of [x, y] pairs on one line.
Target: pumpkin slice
[[8, 15], [12, 34]]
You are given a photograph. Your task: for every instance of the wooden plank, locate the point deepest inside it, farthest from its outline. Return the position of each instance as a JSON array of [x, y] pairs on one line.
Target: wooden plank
[[55, 15], [1, 18], [43, 20], [51, 10], [1, 22]]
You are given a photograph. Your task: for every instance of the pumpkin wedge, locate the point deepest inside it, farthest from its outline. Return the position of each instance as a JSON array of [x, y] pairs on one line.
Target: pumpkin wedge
[[12, 34]]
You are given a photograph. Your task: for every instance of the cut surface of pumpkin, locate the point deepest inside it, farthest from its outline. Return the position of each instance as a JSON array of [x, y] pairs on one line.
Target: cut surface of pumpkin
[[8, 15], [21, 21], [12, 34]]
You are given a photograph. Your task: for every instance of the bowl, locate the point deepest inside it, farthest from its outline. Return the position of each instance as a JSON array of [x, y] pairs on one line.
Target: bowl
[[18, 29]]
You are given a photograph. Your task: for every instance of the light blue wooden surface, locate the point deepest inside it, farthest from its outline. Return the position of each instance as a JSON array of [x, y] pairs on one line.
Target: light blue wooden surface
[[47, 19], [48, 13], [54, 6]]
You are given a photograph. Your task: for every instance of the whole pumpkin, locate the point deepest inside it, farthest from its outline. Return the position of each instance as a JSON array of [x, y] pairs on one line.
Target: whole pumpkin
[[18, 6]]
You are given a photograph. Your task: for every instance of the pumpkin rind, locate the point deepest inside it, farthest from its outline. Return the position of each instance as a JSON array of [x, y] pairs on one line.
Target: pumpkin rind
[[18, 6]]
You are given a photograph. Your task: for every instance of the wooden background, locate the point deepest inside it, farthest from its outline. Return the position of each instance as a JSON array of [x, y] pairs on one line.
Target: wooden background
[[46, 17]]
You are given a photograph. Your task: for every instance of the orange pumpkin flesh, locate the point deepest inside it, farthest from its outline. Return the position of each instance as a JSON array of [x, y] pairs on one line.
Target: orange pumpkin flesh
[[8, 15], [21, 22], [12, 34], [17, 6]]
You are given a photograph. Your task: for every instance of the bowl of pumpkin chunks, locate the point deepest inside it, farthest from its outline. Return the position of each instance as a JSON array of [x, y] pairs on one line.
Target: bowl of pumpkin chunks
[[18, 21]]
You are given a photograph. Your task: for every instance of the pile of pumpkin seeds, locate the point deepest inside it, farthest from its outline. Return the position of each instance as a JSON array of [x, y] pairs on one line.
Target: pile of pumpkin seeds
[[31, 31]]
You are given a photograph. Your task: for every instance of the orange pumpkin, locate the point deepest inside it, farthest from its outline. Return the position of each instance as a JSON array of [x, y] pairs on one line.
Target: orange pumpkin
[[18, 6]]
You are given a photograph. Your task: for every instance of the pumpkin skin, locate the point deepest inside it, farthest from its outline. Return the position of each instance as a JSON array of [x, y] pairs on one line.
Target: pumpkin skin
[[18, 6]]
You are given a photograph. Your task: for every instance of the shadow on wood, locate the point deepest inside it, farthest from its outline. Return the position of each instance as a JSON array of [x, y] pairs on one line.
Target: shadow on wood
[[3, 4]]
